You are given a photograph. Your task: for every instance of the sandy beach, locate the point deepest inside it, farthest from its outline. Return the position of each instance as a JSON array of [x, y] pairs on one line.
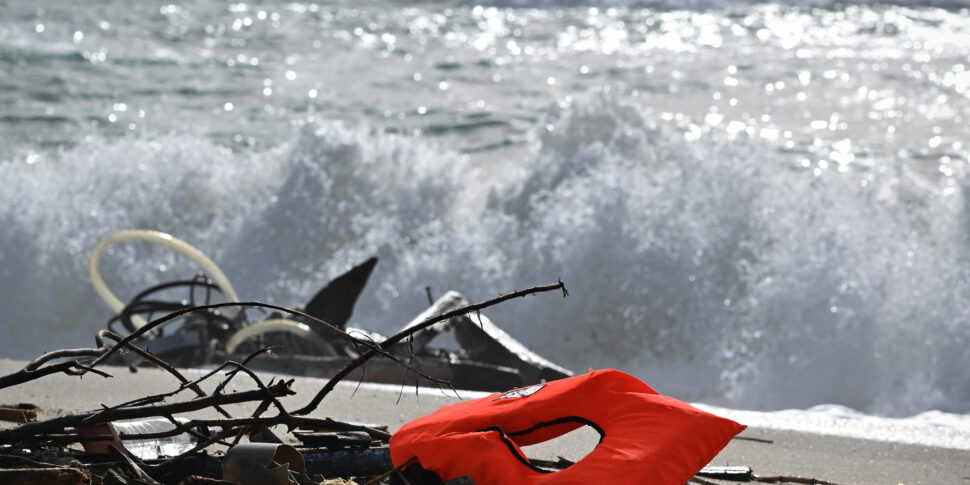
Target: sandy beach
[[769, 452]]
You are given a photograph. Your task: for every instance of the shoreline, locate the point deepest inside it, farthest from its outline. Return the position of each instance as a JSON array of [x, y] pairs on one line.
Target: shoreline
[[767, 451]]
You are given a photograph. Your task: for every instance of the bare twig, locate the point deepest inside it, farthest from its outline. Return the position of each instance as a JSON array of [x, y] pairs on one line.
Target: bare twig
[[374, 349], [188, 385], [14, 435], [788, 479], [99, 339], [380, 348], [171, 316], [290, 421], [229, 375], [60, 354], [72, 367]]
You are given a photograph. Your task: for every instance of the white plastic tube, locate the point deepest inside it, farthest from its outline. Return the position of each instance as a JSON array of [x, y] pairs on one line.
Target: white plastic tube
[[207, 265], [278, 325], [162, 239]]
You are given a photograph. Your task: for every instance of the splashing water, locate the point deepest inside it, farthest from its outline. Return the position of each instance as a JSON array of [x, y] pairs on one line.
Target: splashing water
[[707, 268], [760, 206]]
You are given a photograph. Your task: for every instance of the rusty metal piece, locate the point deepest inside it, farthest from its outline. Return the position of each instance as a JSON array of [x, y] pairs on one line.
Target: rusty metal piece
[[263, 464], [21, 413], [97, 439]]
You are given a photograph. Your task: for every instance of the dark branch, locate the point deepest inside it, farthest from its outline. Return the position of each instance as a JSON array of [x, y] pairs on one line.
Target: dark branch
[[393, 339], [28, 430]]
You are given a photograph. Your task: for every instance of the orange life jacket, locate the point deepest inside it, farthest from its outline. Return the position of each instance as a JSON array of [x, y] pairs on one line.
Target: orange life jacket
[[646, 438]]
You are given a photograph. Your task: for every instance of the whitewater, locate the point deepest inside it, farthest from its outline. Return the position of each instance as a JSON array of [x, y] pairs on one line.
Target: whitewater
[[754, 205]]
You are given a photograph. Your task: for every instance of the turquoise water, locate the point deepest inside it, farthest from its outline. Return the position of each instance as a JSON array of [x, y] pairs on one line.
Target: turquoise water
[[753, 205]]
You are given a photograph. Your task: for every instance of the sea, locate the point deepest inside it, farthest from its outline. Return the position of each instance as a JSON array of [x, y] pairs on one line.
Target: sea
[[759, 206]]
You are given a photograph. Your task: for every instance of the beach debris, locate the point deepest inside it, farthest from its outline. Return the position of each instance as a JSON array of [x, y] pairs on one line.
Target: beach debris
[[148, 440], [21, 413], [736, 473], [725, 475], [484, 341], [315, 337], [489, 359], [264, 464], [335, 302], [144, 449], [104, 438], [98, 439]]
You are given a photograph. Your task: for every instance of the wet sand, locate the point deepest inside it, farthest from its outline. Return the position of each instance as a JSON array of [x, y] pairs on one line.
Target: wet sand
[[835, 459]]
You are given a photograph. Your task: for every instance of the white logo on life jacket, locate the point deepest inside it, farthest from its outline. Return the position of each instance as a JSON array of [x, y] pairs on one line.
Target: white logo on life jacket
[[521, 392]]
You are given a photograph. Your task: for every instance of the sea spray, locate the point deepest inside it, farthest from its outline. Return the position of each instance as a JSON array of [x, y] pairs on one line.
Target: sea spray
[[717, 268]]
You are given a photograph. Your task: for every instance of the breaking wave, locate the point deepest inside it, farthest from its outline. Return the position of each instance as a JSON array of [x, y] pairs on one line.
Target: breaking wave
[[716, 269]]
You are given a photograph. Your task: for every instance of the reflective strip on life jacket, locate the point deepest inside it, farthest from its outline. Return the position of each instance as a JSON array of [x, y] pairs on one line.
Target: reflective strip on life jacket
[[646, 438]]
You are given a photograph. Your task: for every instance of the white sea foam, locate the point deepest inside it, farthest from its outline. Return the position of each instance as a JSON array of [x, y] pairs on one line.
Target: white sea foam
[[709, 4], [932, 428], [705, 268]]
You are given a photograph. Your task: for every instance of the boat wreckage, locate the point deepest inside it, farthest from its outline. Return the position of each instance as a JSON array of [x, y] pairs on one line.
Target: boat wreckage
[[488, 358]]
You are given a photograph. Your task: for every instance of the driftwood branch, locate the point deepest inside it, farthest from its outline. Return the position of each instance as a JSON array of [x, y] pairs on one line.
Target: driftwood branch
[[143, 401], [290, 421], [374, 348], [28, 430], [71, 367], [61, 354]]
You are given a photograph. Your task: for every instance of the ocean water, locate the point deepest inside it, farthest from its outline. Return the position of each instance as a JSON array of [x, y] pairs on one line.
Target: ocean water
[[754, 205]]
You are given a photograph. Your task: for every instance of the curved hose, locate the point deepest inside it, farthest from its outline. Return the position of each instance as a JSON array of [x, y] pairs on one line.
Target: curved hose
[[207, 265], [162, 239], [278, 325]]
